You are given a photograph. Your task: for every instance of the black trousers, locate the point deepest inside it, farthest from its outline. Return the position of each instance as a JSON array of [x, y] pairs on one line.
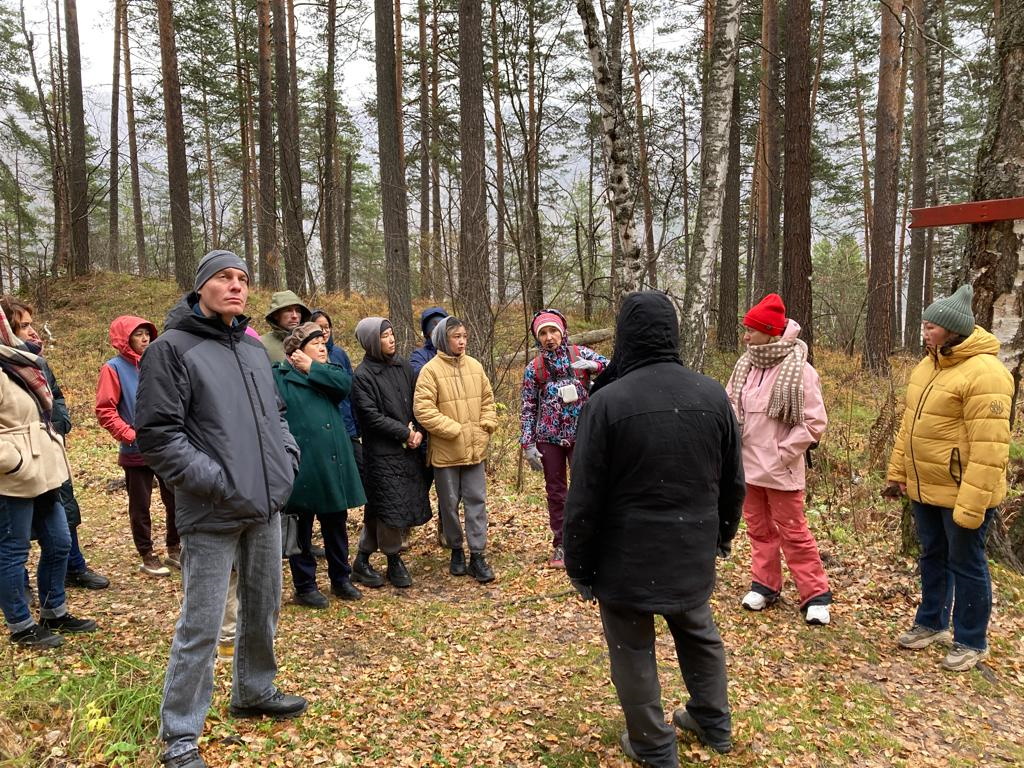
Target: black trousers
[[139, 481], [303, 566], [630, 636]]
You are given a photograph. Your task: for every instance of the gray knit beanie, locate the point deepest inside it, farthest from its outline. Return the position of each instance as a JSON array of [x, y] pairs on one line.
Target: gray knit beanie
[[214, 262], [954, 313]]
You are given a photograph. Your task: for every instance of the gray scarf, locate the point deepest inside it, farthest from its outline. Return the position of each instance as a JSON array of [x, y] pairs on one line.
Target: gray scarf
[[787, 399]]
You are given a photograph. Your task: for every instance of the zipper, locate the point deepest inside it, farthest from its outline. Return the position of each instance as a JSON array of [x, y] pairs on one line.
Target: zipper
[[913, 424], [256, 419]]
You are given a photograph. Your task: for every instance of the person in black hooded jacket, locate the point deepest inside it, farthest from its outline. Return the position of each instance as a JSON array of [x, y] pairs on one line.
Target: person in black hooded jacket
[[657, 489]]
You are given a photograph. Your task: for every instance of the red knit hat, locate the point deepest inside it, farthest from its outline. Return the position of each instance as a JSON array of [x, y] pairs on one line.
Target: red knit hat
[[767, 316], [548, 318]]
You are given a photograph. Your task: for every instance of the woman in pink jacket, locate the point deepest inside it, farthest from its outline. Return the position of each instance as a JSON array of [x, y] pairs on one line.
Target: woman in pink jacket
[[776, 395]]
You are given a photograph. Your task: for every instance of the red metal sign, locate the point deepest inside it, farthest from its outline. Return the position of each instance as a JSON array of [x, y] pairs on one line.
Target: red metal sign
[[968, 213]]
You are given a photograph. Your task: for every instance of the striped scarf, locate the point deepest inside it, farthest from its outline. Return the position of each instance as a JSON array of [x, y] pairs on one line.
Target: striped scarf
[[787, 399], [18, 363]]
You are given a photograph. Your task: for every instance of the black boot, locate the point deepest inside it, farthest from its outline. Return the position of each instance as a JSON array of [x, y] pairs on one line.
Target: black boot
[[479, 569], [364, 573], [397, 573], [457, 567]]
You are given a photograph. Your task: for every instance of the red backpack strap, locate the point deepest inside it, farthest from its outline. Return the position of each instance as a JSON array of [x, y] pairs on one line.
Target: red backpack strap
[[540, 371]]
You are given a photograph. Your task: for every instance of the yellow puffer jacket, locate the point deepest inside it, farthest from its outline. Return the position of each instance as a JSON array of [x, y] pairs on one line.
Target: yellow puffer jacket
[[455, 404], [32, 458], [954, 442]]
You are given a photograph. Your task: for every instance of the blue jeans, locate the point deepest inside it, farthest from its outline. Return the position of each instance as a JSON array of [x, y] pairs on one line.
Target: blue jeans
[[18, 519], [954, 575], [206, 560]]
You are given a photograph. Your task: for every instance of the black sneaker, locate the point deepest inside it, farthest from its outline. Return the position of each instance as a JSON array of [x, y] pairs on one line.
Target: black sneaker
[[313, 599], [346, 590], [87, 579], [479, 569], [36, 636], [280, 706], [684, 721], [397, 573], [364, 573], [190, 759], [457, 567], [70, 624]]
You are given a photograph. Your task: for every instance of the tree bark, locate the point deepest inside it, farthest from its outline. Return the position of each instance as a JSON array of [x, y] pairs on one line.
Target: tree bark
[[345, 229], [425, 287], [614, 128], [707, 235], [436, 270], [641, 137], [393, 194], [499, 160], [245, 133], [796, 199], [133, 149], [291, 181], [919, 182], [270, 258], [327, 221], [878, 328], [865, 168], [766, 253], [729, 274], [530, 234], [177, 168], [79, 185], [113, 237], [939, 246]]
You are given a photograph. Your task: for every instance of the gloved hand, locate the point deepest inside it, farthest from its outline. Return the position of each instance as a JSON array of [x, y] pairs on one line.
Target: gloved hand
[[724, 549], [893, 490], [582, 364], [533, 456], [586, 592]]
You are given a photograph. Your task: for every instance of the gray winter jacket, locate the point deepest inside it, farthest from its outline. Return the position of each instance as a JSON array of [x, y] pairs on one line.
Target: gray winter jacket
[[210, 423]]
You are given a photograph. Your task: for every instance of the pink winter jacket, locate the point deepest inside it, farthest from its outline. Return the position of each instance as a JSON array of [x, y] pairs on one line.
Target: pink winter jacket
[[773, 452]]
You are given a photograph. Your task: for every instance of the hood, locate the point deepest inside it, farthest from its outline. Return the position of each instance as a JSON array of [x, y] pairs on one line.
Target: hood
[[368, 332], [282, 299], [122, 328], [425, 317], [646, 332], [792, 330], [439, 337], [185, 316], [980, 342]]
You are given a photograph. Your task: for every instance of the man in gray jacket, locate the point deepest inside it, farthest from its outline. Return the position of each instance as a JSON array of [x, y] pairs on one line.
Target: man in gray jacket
[[210, 423]]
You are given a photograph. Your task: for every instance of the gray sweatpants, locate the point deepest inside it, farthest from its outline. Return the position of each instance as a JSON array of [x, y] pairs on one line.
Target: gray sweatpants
[[206, 560], [468, 484], [701, 654]]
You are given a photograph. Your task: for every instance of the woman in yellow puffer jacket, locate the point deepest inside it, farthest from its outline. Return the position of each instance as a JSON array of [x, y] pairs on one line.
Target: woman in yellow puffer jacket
[[950, 458]]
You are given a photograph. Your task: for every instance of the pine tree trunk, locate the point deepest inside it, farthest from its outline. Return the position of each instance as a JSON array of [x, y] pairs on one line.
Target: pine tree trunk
[[766, 253], [499, 160], [345, 229], [291, 185], [939, 246], [425, 287], [707, 235], [878, 327], [437, 265], [474, 270], [393, 194], [919, 182], [645, 177], [400, 85], [532, 252], [113, 238], [327, 210], [613, 123], [58, 73], [211, 180], [270, 256], [865, 170], [245, 133], [796, 199], [729, 274], [177, 168], [79, 186], [133, 149]]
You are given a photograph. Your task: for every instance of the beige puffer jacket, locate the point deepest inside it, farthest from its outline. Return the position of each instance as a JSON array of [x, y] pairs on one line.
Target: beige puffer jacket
[[455, 404]]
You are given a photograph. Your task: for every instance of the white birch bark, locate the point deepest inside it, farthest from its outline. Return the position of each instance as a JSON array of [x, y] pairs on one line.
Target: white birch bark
[[613, 146], [707, 231]]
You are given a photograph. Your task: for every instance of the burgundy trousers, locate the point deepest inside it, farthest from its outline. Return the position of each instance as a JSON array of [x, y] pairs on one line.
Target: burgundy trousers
[[556, 460]]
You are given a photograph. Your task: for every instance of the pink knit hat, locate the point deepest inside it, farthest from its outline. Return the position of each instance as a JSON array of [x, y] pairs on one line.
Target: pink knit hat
[[544, 319]]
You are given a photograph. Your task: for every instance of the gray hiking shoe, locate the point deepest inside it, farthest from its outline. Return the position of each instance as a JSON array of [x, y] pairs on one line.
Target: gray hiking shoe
[[918, 637], [961, 658]]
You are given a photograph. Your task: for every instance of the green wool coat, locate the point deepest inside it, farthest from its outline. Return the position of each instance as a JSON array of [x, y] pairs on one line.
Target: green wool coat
[[328, 480]]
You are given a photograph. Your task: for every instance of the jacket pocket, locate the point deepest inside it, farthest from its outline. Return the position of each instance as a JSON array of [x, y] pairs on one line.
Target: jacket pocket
[[956, 470]]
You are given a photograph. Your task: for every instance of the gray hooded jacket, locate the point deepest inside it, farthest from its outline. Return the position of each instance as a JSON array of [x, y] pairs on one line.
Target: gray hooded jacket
[[211, 425]]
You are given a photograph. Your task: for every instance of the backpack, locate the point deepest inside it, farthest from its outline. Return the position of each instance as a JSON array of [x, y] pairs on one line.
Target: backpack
[[540, 371]]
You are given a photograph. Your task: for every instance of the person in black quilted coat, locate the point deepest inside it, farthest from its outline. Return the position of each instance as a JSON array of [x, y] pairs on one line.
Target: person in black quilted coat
[[396, 480]]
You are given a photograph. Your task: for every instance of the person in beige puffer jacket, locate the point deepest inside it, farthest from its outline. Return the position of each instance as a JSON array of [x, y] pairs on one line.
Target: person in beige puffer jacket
[[455, 404]]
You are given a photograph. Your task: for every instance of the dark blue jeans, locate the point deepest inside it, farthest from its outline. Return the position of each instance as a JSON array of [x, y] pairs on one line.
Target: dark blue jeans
[[303, 566], [18, 518], [954, 575]]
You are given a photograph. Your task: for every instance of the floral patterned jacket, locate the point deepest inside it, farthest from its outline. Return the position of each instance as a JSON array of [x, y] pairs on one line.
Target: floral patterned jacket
[[545, 418]]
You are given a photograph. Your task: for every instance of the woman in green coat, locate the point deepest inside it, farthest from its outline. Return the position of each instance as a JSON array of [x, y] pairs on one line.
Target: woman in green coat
[[328, 482]]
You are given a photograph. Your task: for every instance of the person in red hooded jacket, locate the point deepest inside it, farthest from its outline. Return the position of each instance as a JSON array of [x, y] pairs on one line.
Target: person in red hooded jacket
[[115, 410]]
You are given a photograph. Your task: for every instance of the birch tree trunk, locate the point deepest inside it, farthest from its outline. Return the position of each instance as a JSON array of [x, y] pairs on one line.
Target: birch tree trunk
[[613, 124], [641, 137], [707, 231]]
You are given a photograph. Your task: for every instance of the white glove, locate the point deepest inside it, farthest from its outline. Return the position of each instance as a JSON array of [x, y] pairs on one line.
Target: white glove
[[533, 456], [582, 364]]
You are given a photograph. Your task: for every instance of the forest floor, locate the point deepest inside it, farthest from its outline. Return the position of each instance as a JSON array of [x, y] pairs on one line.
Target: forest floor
[[514, 673]]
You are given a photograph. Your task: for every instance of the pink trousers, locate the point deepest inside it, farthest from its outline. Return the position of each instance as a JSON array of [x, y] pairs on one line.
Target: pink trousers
[[777, 526]]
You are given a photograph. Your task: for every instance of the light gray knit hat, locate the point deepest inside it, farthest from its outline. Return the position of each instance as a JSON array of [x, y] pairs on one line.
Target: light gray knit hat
[[214, 262], [954, 313]]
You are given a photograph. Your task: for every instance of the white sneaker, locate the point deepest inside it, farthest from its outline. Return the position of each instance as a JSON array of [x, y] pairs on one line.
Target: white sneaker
[[817, 615], [755, 601]]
